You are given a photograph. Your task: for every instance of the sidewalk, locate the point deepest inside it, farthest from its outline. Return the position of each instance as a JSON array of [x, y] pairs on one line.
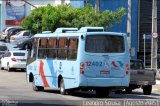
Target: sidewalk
[[157, 82], [156, 88]]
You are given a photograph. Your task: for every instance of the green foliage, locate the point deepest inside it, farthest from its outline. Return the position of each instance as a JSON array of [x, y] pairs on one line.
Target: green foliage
[[50, 18]]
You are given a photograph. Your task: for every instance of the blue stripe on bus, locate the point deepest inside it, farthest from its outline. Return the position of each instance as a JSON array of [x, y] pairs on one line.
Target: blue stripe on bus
[[120, 63], [50, 64]]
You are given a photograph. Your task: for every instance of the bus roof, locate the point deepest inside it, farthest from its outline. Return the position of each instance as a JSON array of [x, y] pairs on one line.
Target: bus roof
[[91, 29], [63, 30], [66, 32], [73, 34]]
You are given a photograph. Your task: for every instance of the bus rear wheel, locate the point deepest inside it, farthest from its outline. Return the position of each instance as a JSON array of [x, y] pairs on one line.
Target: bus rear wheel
[[62, 87], [102, 92], [128, 90], [37, 88]]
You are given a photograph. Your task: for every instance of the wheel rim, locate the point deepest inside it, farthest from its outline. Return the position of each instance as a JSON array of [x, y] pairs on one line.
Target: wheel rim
[[62, 87]]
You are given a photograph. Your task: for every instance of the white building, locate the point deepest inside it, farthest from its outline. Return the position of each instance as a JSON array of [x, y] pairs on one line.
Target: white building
[[12, 12]]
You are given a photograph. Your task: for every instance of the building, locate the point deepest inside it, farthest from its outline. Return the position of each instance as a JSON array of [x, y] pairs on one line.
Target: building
[[141, 23], [12, 12]]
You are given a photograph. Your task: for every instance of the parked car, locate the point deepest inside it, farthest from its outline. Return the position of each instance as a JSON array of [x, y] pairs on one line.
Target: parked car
[[14, 60], [141, 77], [24, 44], [19, 36], [3, 49], [4, 32], [12, 32], [6, 29]]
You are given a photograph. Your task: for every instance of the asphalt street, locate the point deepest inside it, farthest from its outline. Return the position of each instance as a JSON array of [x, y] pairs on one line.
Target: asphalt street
[[14, 88]]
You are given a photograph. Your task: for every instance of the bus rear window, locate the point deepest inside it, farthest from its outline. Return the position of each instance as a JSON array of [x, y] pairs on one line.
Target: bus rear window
[[18, 54], [104, 44]]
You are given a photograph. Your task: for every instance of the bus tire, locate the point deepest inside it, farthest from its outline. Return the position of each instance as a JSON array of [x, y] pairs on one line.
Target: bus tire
[[118, 91], [62, 87], [102, 92], [147, 89], [37, 88], [128, 90]]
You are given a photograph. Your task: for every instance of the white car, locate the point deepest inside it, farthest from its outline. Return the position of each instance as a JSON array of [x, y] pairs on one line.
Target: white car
[[14, 60], [19, 35]]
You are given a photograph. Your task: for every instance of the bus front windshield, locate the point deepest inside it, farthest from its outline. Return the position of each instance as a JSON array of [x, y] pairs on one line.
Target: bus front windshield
[[104, 44]]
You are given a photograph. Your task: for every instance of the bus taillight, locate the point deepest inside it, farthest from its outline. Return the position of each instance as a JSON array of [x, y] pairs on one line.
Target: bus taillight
[[82, 68], [127, 69]]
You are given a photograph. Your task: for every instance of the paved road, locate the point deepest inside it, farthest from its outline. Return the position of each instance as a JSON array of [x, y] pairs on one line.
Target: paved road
[[15, 89]]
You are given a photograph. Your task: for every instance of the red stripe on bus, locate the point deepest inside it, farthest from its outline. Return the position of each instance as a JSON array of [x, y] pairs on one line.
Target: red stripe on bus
[[41, 71], [114, 64]]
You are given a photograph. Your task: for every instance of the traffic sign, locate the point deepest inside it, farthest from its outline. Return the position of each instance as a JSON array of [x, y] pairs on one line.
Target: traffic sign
[[147, 36], [154, 35]]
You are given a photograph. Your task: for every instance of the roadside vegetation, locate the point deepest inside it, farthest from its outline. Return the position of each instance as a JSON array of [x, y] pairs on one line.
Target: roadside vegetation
[[52, 17]]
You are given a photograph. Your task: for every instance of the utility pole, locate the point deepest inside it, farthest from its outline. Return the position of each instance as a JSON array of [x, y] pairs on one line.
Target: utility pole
[[97, 5], [129, 24], [154, 46]]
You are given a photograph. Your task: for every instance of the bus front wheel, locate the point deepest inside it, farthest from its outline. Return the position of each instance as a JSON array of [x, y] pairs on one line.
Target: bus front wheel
[[62, 87], [37, 88]]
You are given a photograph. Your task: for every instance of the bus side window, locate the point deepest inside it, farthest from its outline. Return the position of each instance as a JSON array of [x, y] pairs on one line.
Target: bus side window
[[32, 53], [42, 52], [52, 48], [72, 50], [35, 44], [62, 48]]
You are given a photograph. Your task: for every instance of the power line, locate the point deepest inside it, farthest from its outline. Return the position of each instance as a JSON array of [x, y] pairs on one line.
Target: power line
[[29, 3]]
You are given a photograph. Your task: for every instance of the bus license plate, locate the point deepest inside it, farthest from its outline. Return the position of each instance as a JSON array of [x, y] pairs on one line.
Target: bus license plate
[[104, 72]]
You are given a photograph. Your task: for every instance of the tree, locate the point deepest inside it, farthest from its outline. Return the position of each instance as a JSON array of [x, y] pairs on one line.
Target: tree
[[50, 17]]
